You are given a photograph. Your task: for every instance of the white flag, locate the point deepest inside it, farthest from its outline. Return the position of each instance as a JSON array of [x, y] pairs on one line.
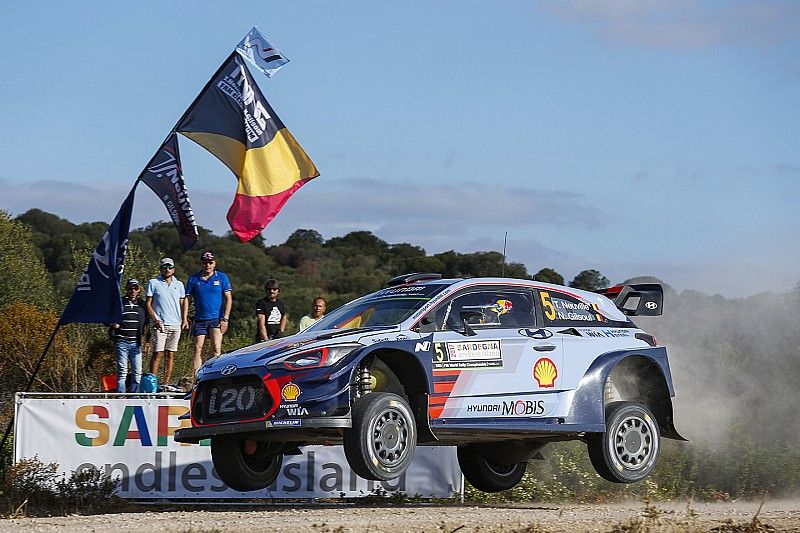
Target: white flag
[[256, 49]]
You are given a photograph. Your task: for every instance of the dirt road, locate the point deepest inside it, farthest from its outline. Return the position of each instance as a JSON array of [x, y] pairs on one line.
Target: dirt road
[[780, 515]]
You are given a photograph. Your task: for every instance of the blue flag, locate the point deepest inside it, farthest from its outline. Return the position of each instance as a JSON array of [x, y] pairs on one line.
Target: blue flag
[[164, 176], [96, 299]]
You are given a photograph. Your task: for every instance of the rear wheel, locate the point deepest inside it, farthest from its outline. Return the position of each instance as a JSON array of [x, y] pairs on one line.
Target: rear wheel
[[487, 475], [628, 451], [246, 465], [380, 444]]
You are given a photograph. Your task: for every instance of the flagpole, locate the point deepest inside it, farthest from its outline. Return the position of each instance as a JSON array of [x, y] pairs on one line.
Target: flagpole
[[505, 241], [30, 382], [203, 90], [52, 337]]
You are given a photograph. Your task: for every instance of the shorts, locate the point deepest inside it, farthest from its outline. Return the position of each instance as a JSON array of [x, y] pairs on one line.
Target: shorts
[[201, 327], [166, 340]]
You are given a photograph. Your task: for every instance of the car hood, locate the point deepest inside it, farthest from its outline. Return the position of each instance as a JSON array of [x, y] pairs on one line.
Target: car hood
[[262, 353]]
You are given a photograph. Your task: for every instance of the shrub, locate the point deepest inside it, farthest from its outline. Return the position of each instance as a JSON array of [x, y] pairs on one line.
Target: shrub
[[32, 488]]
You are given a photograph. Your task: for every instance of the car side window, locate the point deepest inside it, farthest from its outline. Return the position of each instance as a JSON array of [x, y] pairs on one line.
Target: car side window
[[491, 309], [559, 309]]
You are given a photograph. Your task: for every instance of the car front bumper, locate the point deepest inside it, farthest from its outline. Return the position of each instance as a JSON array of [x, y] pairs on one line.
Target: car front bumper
[[320, 429]]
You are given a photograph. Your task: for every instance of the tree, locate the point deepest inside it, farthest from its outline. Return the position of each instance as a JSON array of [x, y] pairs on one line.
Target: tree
[[359, 242], [302, 237], [548, 275], [24, 278], [589, 280]]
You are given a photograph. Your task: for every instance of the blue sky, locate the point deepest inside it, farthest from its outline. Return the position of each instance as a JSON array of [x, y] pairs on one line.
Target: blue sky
[[633, 137]]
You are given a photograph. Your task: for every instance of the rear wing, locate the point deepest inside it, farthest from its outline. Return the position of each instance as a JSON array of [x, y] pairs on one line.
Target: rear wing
[[639, 299]]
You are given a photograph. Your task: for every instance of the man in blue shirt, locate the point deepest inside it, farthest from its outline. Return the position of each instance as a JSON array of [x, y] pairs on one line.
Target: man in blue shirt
[[213, 297], [165, 295]]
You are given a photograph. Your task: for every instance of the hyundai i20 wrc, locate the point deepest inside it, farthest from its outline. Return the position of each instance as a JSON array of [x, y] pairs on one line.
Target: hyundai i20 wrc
[[498, 367]]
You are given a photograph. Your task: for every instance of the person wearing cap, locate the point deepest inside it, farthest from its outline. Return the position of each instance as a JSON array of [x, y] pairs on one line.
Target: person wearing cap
[[165, 295], [270, 313], [317, 311], [211, 291], [127, 337]]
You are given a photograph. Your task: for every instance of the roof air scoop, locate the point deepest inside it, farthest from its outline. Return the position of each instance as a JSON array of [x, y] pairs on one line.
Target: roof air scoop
[[412, 278]]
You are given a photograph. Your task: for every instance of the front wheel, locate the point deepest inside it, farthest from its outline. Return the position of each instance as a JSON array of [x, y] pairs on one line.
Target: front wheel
[[627, 452], [245, 465], [487, 475], [380, 444]]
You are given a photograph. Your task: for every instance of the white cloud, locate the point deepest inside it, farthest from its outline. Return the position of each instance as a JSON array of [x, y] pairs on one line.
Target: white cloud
[[682, 24], [467, 217]]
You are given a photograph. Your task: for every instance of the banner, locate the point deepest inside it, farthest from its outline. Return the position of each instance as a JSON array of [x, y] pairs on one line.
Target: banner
[[130, 437], [163, 174], [96, 299], [258, 52], [232, 120]]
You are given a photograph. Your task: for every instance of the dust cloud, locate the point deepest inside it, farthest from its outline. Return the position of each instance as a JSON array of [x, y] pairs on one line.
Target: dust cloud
[[735, 366]]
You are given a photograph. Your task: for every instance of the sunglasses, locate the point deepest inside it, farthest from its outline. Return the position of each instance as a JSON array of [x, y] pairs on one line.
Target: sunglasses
[[270, 290], [168, 267], [208, 261]]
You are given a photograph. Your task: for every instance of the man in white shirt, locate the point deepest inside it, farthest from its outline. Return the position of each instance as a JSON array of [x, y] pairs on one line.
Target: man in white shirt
[[165, 296]]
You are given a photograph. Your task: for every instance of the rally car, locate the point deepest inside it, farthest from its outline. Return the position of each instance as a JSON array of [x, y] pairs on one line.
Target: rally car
[[497, 367]]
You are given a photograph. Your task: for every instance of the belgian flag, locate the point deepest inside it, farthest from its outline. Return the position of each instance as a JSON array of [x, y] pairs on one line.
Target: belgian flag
[[231, 119]]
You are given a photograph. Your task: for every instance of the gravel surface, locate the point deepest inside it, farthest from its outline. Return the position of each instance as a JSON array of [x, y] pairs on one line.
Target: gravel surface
[[774, 516]]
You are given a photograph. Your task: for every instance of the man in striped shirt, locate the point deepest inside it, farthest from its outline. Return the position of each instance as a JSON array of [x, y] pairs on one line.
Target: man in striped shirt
[[127, 336]]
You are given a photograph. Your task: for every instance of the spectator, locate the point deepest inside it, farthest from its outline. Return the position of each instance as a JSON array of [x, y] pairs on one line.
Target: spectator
[[127, 337], [165, 296], [213, 297], [317, 311], [270, 313]]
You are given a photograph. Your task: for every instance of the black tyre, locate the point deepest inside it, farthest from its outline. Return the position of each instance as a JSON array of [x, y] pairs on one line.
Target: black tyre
[[628, 451], [487, 475], [245, 471], [382, 441]]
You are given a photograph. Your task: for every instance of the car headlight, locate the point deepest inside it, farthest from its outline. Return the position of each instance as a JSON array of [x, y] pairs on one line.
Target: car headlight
[[316, 357]]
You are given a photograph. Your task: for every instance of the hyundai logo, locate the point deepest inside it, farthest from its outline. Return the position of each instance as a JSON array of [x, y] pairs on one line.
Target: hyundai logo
[[540, 333], [228, 370], [651, 305]]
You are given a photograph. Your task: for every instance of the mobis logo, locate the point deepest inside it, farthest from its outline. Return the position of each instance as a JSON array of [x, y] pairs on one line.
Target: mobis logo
[[523, 408]]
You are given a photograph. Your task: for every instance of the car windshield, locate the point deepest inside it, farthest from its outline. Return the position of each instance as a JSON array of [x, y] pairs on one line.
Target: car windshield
[[388, 307]]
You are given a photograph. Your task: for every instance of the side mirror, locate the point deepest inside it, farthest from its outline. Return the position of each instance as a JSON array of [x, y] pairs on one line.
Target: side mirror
[[465, 316], [427, 324]]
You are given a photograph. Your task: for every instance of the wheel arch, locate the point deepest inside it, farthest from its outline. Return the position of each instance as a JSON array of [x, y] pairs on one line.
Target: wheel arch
[[410, 374], [641, 376]]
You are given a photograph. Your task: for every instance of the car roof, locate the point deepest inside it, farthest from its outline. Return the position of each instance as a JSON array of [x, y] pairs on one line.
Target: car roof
[[468, 282], [604, 305]]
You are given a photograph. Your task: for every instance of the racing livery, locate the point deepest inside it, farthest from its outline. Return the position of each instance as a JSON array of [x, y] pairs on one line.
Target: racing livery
[[497, 367]]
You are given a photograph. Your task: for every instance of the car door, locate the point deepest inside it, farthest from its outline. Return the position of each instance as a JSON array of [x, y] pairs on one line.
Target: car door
[[501, 365], [585, 332]]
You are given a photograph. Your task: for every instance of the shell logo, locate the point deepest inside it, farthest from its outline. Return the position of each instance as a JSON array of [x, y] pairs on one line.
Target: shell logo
[[290, 392], [545, 373]]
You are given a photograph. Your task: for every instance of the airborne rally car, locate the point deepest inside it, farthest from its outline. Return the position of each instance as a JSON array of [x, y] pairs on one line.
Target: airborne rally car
[[498, 367]]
